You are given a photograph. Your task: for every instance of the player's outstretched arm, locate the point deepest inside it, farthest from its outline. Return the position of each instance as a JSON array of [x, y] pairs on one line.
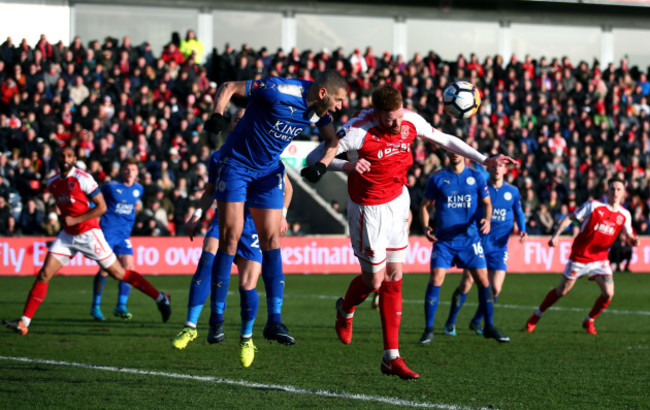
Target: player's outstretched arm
[[217, 123], [460, 147], [96, 212], [561, 228]]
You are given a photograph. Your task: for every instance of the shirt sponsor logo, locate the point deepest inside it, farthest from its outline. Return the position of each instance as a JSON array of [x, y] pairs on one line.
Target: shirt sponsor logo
[[459, 201], [284, 131]]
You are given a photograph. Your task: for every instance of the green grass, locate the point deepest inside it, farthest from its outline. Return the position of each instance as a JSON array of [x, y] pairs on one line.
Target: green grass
[[558, 366]]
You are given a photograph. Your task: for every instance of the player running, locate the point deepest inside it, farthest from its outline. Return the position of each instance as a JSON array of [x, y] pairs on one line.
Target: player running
[[456, 191], [600, 225], [250, 171], [506, 209], [121, 197], [378, 145], [72, 189]]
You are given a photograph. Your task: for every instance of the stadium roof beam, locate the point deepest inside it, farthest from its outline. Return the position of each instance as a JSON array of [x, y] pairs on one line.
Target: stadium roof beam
[[617, 14]]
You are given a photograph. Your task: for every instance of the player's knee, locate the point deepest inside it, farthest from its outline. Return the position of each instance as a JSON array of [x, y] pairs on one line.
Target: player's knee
[[609, 294], [116, 271], [44, 276]]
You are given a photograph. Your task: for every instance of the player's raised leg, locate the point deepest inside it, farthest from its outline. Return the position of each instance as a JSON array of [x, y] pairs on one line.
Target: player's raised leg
[[551, 297]]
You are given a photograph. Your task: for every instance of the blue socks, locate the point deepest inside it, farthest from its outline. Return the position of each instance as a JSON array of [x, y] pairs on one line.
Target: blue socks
[[486, 305], [457, 302], [431, 304], [219, 288], [478, 316], [249, 302], [123, 295], [200, 287], [274, 284], [98, 288]]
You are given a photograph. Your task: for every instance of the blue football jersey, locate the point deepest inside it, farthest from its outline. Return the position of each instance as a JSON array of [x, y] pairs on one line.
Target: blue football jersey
[[213, 167], [506, 206], [457, 205], [118, 220], [276, 113]]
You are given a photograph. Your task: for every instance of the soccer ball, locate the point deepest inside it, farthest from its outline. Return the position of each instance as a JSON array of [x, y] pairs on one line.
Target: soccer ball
[[461, 100]]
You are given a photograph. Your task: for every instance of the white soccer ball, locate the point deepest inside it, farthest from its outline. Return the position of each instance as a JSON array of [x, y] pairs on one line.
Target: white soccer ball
[[461, 99]]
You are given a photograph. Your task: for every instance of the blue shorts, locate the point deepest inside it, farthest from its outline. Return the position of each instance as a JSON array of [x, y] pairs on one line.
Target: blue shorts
[[497, 259], [259, 189], [447, 254], [249, 244], [121, 246]]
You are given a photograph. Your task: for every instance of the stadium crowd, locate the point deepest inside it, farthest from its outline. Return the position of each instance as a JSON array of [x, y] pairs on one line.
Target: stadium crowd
[[571, 125]]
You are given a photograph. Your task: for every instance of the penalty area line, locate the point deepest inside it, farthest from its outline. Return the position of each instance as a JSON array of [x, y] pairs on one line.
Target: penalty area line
[[242, 383]]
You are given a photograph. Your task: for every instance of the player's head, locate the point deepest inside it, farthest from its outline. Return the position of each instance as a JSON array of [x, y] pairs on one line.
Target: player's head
[[236, 117], [329, 91], [455, 159], [66, 159], [129, 170], [497, 172], [615, 191], [387, 101]]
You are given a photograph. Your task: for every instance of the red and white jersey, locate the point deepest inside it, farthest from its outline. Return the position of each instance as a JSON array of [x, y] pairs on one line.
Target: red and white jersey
[[71, 193], [600, 228], [389, 155]]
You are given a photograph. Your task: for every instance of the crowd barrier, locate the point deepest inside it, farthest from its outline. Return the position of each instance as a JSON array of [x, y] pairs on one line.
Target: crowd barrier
[[306, 254]]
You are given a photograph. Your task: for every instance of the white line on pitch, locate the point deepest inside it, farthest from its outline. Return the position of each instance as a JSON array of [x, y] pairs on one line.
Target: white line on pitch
[[259, 386], [497, 306]]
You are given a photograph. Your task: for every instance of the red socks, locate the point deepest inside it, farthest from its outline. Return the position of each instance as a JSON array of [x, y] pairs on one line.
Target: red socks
[[36, 296], [551, 297], [601, 304], [390, 310], [139, 282], [357, 293]]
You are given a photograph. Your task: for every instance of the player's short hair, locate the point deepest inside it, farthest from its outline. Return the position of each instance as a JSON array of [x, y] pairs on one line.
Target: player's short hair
[[331, 80], [613, 180], [129, 161], [387, 98]]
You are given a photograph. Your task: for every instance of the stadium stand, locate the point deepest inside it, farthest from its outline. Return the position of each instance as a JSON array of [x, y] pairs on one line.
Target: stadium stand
[[570, 124]]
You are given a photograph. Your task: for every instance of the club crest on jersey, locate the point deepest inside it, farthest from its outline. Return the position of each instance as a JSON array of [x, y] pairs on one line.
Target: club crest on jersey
[[71, 184], [405, 131], [507, 196], [470, 181], [619, 219], [259, 85], [136, 193]]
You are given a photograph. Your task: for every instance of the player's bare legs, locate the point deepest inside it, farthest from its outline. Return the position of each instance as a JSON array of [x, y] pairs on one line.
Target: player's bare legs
[[551, 297], [231, 224], [268, 223], [606, 284]]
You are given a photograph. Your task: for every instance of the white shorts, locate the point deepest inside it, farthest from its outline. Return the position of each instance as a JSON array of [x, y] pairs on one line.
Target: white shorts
[[91, 244], [379, 233], [575, 270]]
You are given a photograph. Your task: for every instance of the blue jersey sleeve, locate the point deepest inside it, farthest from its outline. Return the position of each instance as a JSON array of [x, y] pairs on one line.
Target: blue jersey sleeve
[[213, 167], [520, 218], [481, 183], [430, 190]]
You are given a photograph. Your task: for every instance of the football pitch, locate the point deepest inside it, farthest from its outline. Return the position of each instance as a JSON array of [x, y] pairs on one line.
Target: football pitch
[[70, 361]]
